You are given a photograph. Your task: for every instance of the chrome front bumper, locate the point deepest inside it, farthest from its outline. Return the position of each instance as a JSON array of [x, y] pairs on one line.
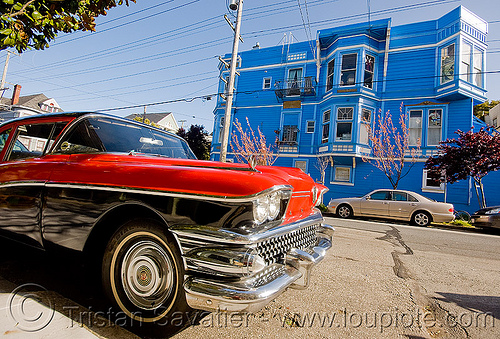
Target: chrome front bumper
[[251, 293]]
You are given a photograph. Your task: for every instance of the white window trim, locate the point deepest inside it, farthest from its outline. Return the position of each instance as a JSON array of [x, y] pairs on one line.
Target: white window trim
[[441, 80], [349, 70], [351, 178], [337, 121], [430, 188], [313, 127], [264, 82]]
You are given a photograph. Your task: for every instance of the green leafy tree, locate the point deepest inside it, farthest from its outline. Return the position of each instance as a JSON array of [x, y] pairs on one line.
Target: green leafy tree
[[484, 108], [197, 138], [28, 24]]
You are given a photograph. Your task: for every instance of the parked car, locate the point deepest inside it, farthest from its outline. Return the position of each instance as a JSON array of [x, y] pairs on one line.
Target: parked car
[[394, 204], [167, 231], [487, 217]]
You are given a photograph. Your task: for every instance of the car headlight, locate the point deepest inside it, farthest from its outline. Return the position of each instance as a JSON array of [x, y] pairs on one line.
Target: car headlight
[[493, 211], [274, 205], [268, 206]]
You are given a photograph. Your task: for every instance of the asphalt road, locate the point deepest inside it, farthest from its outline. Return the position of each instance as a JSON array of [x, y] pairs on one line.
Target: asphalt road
[[380, 280]]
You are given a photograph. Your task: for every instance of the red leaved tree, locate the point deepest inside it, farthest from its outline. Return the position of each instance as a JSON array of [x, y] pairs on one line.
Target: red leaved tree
[[391, 150], [473, 154], [246, 145]]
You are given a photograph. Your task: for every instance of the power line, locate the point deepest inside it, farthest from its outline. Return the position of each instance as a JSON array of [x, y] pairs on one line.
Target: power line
[[190, 99]]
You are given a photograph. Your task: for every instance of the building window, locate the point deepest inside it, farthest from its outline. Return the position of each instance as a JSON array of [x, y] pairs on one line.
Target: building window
[[310, 124], [348, 71], [302, 164], [447, 63], [344, 123], [434, 127], [369, 64], [294, 81], [478, 67], [465, 62], [415, 127], [290, 134], [329, 76], [366, 115], [326, 127], [431, 182], [342, 174], [266, 83]]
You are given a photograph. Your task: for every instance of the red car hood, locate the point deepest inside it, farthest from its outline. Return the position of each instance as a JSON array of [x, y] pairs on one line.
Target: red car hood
[[184, 176]]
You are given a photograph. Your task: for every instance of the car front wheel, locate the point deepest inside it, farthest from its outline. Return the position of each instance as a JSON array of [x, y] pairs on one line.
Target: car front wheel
[[421, 219], [142, 274], [344, 211]]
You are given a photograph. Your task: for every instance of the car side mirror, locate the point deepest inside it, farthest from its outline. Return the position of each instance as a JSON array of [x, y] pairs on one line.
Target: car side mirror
[[368, 198]]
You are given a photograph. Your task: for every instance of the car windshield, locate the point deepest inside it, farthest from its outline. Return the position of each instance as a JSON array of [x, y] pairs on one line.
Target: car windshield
[[116, 136]]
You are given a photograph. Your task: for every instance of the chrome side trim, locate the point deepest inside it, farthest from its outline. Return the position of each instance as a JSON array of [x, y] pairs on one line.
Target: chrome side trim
[[238, 199], [21, 183], [227, 236]]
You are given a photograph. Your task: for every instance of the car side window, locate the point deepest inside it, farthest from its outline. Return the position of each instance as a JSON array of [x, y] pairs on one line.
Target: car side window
[[3, 139], [33, 140], [81, 139], [381, 195], [399, 196], [412, 198]]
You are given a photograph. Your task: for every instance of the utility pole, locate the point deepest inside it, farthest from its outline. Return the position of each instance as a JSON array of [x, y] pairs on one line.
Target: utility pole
[[232, 73], [4, 75], [144, 115]]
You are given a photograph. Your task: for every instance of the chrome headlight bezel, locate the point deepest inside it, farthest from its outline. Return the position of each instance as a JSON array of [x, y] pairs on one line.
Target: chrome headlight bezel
[[271, 205]]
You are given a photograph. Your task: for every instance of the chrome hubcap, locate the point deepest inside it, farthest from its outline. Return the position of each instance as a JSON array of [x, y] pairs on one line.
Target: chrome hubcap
[[147, 275], [344, 212], [421, 219]]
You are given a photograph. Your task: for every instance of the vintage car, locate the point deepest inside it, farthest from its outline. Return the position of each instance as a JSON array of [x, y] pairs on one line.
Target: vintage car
[[393, 204], [168, 232]]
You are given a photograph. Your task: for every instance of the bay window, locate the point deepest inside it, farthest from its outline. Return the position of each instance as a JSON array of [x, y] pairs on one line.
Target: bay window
[[344, 123], [415, 127], [326, 127], [369, 66], [447, 63], [329, 75], [478, 67], [348, 70]]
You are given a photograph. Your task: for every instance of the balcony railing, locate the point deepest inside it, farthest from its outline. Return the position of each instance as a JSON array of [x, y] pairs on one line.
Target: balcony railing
[[303, 87]]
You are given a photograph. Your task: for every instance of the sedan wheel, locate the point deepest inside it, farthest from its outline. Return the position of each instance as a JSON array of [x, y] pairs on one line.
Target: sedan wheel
[[143, 273], [421, 219], [344, 211]]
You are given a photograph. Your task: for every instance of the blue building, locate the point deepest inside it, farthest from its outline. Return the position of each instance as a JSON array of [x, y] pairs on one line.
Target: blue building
[[316, 97]]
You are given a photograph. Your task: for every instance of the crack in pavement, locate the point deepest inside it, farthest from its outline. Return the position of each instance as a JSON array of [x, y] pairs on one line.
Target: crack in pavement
[[418, 295]]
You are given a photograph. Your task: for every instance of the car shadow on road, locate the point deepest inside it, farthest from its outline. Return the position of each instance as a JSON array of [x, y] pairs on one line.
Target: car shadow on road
[[482, 308], [69, 286]]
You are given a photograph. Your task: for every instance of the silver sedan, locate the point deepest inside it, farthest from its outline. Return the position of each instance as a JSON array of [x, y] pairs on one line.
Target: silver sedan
[[394, 204]]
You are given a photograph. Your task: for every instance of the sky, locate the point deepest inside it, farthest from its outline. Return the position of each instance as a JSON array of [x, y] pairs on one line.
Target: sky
[[166, 51]]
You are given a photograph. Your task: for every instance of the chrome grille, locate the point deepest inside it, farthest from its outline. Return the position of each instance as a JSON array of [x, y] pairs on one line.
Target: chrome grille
[[273, 250]]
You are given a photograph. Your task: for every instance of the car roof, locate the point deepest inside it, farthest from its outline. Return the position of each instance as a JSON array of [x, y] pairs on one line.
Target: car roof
[[44, 115]]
